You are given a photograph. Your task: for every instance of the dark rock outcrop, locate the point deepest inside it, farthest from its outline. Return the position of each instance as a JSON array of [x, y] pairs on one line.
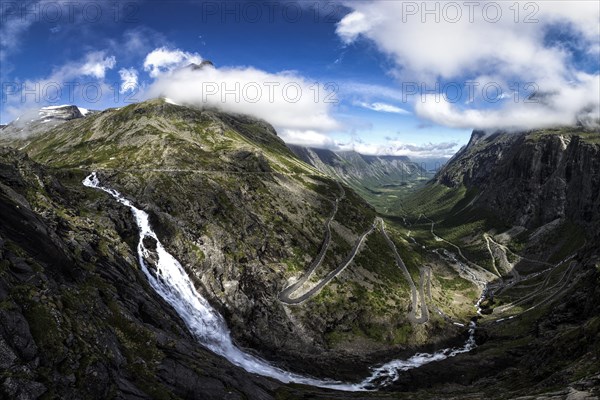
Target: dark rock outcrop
[[202, 65]]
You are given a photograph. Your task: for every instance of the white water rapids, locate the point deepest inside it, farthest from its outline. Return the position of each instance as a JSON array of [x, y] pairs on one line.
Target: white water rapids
[[208, 326]]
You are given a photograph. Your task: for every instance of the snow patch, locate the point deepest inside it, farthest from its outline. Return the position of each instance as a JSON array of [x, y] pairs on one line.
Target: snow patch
[[55, 107]]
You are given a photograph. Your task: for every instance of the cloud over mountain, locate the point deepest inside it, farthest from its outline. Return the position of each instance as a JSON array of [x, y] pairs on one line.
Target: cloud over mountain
[[292, 103], [499, 42]]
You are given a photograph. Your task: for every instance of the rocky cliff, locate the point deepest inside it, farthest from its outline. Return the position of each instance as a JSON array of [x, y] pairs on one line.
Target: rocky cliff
[[532, 178], [39, 121], [525, 207]]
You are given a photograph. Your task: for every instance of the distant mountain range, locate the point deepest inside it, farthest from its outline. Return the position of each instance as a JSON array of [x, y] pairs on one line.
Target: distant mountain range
[[357, 169]]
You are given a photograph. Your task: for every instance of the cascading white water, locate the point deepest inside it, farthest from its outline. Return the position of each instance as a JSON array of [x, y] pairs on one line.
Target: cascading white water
[[208, 326], [390, 372]]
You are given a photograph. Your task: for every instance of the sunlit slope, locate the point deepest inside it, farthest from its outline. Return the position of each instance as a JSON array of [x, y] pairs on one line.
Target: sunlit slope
[[157, 134]]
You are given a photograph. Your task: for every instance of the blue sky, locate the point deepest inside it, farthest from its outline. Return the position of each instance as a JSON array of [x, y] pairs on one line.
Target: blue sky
[[377, 58]]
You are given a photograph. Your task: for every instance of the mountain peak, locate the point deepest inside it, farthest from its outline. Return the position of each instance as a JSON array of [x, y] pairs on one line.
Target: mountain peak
[[202, 65], [64, 112], [44, 119]]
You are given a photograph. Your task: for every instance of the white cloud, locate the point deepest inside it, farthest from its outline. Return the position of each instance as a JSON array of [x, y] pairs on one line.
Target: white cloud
[[449, 49], [288, 101], [81, 81], [353, 25], [573, 103], [163, 60], [129, 79], [399, 148], [383, 107], [96, 64], [466, 49], [308, 138]]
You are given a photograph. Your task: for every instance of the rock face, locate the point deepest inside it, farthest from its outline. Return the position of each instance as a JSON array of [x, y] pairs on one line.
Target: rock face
[[354, 168], [531, 179], [203, 64], [538, 194]]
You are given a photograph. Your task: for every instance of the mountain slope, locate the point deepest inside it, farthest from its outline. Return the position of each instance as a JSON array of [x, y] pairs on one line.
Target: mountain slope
[[534, 178], [375, 178], [246, 217], [158, 135], [535, 186]]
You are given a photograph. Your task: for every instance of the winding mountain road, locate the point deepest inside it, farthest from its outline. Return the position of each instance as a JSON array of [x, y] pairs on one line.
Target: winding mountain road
[[285, 296], [485, 275], [412, 314], [507, 266], [538, 289], [541, 290]]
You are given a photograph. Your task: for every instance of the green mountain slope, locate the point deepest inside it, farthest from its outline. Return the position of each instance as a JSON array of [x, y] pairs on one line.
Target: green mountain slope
[[156, 134], [246, 217]]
